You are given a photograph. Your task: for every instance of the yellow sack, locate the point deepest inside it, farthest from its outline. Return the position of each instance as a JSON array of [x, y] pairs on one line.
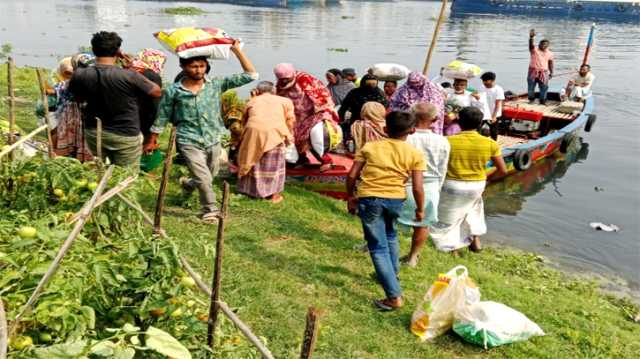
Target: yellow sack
[[335, 134], [189, 42], [461, 70]]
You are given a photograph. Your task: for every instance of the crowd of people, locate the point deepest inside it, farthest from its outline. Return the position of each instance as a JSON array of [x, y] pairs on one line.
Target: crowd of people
[[418, 157]]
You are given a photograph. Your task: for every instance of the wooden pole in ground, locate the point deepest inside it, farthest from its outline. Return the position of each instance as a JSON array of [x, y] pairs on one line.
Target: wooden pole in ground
[[99, 140], [22, 140], [434, 39], [310, 334], [45, 106], [12, 102], [4, 336], [224, 308], [217, 271], [88, 208], [157, 223]]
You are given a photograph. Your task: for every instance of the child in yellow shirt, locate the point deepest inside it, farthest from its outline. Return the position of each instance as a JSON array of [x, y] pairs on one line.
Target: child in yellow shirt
[[383, 168]]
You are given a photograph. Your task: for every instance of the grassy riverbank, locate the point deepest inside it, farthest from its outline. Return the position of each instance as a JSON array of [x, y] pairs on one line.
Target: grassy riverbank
[[281, 259]]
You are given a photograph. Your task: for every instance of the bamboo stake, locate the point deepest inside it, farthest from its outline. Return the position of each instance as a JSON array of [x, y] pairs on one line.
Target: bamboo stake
[[157, 223], [587, 50], [217, 272], [88, 208], [310, 334], [264, 351], [4, 337], [434, 39], [22, 140], [99, 141], [108, 195], [12, 102], [45, 105]]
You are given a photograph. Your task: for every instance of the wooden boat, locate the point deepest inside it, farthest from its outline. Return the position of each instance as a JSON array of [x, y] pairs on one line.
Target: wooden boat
[[529, 133], [618, 10]]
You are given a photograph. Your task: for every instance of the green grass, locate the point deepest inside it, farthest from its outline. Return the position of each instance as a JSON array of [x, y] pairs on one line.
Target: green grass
[[185, 10], [281, 259]]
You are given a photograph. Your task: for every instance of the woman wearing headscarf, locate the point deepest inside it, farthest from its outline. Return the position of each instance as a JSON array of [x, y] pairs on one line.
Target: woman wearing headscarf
[[312, 105], [70, 139], [419, 88], [149, 63], [371, 125], [338, 86], [367, 92]]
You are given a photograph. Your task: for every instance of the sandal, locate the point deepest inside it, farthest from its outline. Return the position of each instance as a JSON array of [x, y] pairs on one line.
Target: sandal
[[210, 217]]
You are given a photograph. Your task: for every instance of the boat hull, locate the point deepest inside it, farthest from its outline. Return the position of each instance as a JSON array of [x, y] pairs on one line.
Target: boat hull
[[610, 10], [332, 183]]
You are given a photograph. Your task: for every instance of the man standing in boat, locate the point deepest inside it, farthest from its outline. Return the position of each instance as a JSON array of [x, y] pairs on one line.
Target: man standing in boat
[[540, 68]]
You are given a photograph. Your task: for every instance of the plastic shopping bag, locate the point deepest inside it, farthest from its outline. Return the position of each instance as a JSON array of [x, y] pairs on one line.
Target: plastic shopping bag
[[189, 42], [461, 70], [291, 154], [435, 314], [490, 324]]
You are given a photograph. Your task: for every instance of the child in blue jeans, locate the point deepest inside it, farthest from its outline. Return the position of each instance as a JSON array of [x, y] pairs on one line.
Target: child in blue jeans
[[383, 168]]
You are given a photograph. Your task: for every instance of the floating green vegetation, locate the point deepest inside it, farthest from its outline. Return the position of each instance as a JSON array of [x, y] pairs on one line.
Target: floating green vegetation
[[338, 49], [183, 10]]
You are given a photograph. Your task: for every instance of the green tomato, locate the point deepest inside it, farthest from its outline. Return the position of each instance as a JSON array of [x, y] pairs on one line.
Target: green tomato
[[27, 232], [187, 281], [191, 303], [45, 337], [81, 183], [21, 342], [176, 313], [92, 186], [58, 192]]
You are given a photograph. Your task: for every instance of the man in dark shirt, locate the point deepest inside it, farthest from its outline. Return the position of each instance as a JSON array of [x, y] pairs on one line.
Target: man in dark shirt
[[111, 94]]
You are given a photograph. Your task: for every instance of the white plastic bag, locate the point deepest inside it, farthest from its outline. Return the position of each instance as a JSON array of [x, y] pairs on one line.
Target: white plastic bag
[[390, 72], [291, 154], [490, 324], [450, 292]]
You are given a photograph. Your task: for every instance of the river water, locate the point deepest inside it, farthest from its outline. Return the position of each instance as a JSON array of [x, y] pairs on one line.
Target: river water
[[547, 209]]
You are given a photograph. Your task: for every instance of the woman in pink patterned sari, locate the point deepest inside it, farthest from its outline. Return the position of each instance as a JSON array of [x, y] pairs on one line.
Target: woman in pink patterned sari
[[312, 105]]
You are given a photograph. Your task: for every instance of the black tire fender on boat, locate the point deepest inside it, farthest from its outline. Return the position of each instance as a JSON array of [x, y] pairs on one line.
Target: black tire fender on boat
[[522, 160], [567, 142], [591, 119]]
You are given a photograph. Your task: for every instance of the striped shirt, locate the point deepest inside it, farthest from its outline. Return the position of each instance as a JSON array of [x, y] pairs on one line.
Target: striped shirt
[[470, 152]]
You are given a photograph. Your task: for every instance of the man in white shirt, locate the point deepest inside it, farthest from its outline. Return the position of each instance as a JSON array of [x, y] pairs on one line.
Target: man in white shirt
[[435, 149], [579, 87], [458, 97], [495, 100]]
